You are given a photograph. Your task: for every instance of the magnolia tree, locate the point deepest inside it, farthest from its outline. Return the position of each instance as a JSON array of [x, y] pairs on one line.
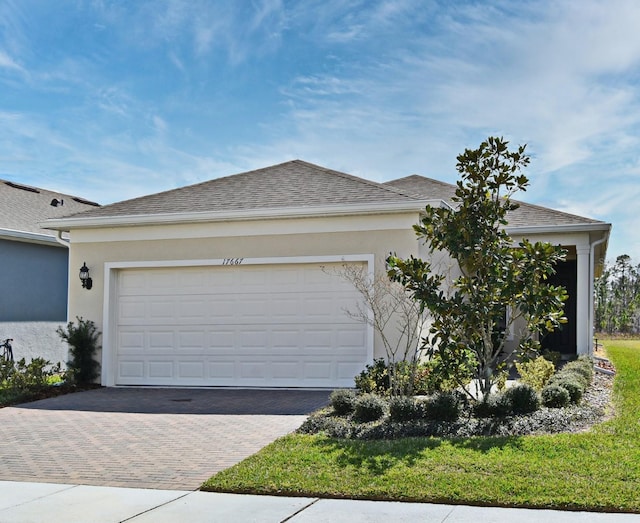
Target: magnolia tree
[[499, 283]]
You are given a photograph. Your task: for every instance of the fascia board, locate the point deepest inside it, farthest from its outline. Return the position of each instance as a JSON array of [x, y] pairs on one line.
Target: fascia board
[[29, 237], [66, 224], [550, 229]]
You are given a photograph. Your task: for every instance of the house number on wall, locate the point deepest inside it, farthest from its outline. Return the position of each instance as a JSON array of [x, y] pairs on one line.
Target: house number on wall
[[232, 261]]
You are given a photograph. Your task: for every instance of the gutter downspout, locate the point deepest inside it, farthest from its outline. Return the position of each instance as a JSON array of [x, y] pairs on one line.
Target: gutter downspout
[[61, 240], [592, 269]]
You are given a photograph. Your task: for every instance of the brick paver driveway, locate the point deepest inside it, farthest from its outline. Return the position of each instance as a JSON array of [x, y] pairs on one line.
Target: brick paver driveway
[[147, 438]]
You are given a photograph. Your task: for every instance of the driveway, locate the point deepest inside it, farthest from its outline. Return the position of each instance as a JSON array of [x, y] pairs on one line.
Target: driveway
[[145, 438]]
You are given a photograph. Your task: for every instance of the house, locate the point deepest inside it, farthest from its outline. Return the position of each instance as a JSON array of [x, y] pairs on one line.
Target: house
[[230, 283], [33, 269]]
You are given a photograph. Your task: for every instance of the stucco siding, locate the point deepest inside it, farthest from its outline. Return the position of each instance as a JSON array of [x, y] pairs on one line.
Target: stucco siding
[[89, 304], [36, 339]]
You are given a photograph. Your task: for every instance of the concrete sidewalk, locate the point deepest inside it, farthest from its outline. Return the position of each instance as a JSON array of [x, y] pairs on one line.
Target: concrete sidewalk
[[50, 502]]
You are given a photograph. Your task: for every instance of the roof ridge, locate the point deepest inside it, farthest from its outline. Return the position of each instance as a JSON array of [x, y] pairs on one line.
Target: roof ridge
[[35, 189], [348, 176]]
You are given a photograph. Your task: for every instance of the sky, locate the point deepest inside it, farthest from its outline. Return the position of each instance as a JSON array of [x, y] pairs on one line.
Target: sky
[[112, 99]]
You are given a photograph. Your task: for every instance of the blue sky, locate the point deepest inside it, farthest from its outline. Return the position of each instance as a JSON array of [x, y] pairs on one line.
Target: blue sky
[[111, 99]]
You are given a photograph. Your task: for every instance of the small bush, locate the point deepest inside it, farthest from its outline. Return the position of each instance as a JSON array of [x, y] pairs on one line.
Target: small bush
[[573, 386], [21, 376], [521, 399], [374, 378], [82, 368], [369, 407], [491, 406], [343, 401], [553, 356], [443, 406], [536, 373], [555, 397], [404, 408], [583, 366]]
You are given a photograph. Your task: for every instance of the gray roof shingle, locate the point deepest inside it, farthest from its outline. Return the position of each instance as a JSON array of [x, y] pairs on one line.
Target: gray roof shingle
[[287, 185], [24, 208], [527, 215]]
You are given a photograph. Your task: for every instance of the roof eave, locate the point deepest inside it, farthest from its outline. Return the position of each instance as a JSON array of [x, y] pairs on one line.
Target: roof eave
[[28, 237], [567, 228], [80, 222]]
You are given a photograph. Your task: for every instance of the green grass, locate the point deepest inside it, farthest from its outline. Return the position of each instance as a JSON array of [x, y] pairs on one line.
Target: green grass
[[596, 470]]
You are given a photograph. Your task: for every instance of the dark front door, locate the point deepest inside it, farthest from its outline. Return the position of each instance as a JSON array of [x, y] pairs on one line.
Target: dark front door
[[563, 340]]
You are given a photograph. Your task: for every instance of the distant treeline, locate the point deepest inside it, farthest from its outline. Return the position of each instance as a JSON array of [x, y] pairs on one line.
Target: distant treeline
[[617, 298]]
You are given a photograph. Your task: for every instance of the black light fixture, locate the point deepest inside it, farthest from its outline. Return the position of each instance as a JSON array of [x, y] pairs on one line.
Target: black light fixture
[[86, 280]]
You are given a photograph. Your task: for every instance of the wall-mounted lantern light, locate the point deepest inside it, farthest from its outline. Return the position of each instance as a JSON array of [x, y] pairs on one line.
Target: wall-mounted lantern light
[[86, 280]]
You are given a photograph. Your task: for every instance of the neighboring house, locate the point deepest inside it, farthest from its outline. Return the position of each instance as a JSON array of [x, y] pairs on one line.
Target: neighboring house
[[33, 269], [231, 283]]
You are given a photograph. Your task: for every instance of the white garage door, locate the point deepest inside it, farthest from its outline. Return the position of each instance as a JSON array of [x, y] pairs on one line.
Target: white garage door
[[245, 325]]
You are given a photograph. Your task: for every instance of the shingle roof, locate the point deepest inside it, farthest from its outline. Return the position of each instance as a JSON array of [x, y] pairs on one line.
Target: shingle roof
[[291, 184], [527, 215], [24, 208]]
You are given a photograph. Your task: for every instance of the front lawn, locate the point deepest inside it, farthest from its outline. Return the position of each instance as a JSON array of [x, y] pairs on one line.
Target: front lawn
[[595, 470]]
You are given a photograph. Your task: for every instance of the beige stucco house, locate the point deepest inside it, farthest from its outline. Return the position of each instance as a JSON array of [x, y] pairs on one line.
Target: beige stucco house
[[226, 283]]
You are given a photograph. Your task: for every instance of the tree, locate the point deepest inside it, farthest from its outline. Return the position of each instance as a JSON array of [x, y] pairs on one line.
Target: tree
[[498, 284], [617, 297], [395, 317]]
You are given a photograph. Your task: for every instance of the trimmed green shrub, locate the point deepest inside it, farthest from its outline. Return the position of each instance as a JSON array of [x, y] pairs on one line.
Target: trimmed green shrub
[[535, 373], [521, 399], [374, 378], [82, 368], [404, 408], [573, 386], [343, 401], [493, 405], [583, 366], [369, 407], [443, 406], [555, 397]]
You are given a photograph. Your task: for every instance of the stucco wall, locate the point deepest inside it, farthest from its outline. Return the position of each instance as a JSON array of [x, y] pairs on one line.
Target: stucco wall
[[33, 282], [215, 242], [33, 339]]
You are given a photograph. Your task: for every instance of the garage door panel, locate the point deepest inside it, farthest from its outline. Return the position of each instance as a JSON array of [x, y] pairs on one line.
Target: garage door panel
[[190, 370], [280, 325], [161, 310], [160, 369], [253, 370], [223, 370], [285, 370], [131, 369], [161, 340]]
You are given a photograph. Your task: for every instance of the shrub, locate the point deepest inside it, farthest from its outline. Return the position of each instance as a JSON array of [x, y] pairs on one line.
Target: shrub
[[572, 385], [553, 356], [403, 408], [555, 397], [369, 407], [374, 378], [491, 406], [343, 401], [21, 376], [521, 399], [583, 366], [443, 406], [82, 368], [536, 372]]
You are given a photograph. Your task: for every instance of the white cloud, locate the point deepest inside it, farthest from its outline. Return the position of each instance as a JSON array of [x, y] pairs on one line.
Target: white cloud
[[7, 62]]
